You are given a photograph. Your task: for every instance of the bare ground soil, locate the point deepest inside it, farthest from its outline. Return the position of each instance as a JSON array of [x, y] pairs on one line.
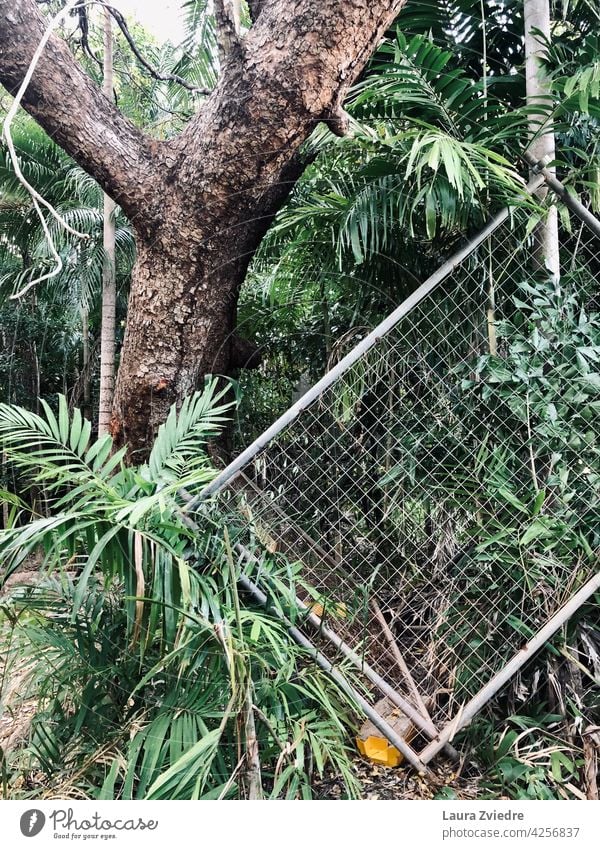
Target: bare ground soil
[[385, 783], [16, 710]]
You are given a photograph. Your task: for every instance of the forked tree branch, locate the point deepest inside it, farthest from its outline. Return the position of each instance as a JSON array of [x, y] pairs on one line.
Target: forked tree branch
[[296, 65]]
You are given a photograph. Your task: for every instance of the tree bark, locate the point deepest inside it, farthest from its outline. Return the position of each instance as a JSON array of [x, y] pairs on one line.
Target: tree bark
[[200, 203], [254, 6], [109, 289], [227, 20]]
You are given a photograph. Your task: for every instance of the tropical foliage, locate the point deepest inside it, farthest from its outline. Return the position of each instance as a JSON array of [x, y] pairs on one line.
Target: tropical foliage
[[438, 127], [151, 673], [43, 326], [144, 661]]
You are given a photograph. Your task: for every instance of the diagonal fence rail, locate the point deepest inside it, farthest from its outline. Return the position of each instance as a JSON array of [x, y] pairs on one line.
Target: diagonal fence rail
[[434, 499]]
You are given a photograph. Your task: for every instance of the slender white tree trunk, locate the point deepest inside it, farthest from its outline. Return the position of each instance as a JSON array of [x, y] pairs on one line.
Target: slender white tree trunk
[[109, 295], [542, 147], [85, 367], [5, 509]]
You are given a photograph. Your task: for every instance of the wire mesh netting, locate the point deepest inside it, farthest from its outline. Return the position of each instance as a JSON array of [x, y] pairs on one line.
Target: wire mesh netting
[[438, 503]]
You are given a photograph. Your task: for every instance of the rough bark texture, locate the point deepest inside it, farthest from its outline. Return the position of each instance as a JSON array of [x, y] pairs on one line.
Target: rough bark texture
[[201, 203], [255, 6], [227, 20]]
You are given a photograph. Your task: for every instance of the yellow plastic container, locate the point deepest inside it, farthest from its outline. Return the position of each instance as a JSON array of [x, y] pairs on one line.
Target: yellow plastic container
[[374, 746], [338, 610], [378, 750]]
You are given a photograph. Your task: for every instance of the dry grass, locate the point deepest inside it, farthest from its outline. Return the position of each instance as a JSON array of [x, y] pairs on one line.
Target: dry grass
[[383, 783]]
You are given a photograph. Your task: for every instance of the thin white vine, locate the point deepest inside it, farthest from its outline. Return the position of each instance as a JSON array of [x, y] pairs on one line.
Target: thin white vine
[[6, 132]]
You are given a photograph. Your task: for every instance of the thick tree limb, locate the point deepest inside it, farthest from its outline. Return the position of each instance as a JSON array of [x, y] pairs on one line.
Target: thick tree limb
[[71, 107], [297, 63], [201, 202]]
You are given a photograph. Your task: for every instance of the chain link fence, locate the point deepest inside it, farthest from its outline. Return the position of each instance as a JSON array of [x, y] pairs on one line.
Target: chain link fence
[[434, 501]]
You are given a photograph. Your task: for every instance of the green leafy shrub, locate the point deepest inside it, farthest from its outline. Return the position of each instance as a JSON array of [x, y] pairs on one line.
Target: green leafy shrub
[[146, 667]]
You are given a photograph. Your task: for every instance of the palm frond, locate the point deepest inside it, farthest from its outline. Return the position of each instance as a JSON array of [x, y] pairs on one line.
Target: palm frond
[[182, 436]]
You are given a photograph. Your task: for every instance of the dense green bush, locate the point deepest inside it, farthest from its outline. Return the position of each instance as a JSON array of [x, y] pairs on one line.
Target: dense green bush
[[148, 671]]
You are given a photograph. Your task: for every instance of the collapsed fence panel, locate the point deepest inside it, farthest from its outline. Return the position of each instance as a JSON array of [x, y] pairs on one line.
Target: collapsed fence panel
[[435, 499]]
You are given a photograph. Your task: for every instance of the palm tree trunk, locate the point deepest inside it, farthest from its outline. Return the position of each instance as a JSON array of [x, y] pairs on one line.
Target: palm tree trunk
[[538, 93], [85, 365], [109, 295]]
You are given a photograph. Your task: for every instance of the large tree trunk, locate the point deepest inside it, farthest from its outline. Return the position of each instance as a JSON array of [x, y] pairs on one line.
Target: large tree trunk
[[201, 203], [173, 337], [183, 302]]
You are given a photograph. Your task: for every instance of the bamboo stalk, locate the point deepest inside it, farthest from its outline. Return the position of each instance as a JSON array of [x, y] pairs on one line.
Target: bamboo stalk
[[253, 770], [400, 662]]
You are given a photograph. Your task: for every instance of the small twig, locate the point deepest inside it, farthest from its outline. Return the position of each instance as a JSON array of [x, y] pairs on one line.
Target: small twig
[[122, 24], [419, 703], [84, 27]]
